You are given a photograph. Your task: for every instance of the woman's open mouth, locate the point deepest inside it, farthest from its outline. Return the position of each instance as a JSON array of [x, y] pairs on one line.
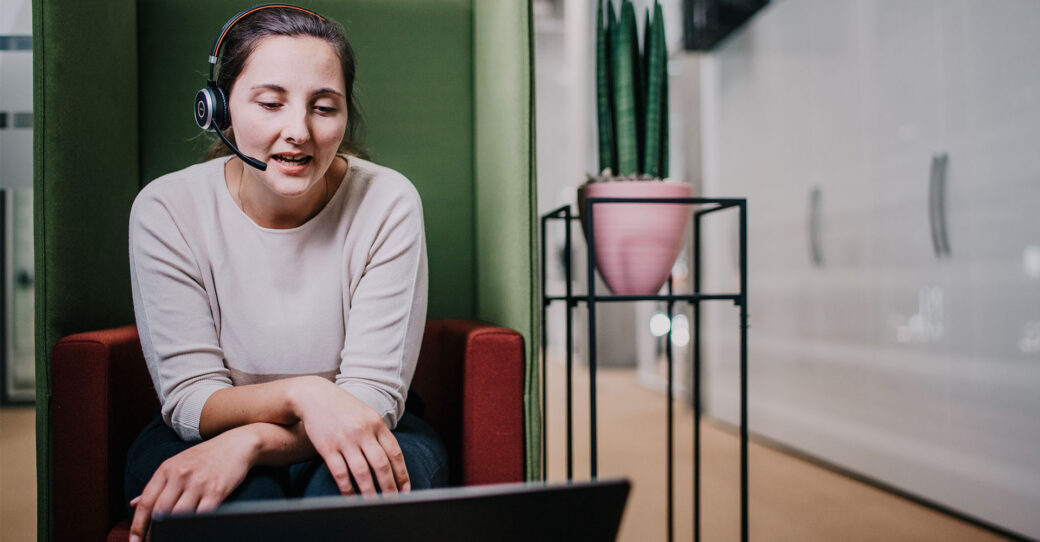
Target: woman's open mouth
[[291, 164], [290, 160]]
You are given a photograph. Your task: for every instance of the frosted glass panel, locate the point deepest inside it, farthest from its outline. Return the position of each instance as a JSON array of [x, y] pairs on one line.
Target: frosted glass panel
[[910, 365], [19, 366], [16, 226]]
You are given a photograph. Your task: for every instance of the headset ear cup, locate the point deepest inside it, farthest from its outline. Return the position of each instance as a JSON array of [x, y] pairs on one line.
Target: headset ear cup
[[221, 113], [211, 109], [204, 108]]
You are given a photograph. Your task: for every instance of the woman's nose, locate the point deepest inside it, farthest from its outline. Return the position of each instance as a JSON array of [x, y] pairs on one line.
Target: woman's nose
[[296, 128]]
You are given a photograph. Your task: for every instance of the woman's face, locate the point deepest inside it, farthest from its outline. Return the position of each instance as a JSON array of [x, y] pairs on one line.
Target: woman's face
[[289, 109]]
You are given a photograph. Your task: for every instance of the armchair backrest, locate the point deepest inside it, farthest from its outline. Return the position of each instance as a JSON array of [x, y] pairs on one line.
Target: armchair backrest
[[446, 88]]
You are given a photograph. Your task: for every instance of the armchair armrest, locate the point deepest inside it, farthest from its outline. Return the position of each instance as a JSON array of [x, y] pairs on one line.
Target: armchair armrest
[[471, 377], [101, 398]]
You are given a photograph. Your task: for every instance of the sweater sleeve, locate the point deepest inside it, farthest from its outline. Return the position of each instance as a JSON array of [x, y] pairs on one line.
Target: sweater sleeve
[[174, 318], [387, 311]]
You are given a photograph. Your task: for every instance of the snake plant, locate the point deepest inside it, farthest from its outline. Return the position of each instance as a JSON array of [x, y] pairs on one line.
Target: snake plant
[[631, 92]]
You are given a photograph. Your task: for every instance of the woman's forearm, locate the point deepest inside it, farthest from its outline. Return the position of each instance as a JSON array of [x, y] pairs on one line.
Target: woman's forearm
[[278, 445], [271, 402], [290, 420]]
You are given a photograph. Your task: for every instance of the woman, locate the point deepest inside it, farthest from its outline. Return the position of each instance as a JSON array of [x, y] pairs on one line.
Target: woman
[[280, 310]]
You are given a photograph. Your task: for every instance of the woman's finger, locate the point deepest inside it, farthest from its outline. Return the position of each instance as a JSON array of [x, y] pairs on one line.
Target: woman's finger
[[188, 502], [359, 469], [145, 503], [380, 464], [138, 526], [210, 499], [339, 471], [396, 457], [169, 497], [209, 503]]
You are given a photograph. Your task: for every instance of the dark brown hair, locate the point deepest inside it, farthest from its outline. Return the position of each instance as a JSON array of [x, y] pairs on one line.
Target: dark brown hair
[[245, 36]]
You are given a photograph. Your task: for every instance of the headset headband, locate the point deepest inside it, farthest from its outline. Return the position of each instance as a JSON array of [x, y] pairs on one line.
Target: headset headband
[[232, 21], [211, 103]]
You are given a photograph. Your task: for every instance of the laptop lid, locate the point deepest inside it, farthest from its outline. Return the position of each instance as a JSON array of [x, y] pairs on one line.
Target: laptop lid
[[508, 512]]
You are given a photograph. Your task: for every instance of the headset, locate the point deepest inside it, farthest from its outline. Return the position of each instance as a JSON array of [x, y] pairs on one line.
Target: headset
[[211, 104]]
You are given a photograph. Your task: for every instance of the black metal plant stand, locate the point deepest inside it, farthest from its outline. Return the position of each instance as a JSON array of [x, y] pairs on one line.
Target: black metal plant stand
[[703, 207]]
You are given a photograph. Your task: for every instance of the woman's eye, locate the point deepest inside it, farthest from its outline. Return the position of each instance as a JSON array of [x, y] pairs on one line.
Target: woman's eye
[[324, 110], [270, 105]]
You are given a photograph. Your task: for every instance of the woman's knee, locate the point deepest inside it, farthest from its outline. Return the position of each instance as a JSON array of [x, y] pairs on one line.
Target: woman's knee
[[262, 483], [313, 479], [424, 454]]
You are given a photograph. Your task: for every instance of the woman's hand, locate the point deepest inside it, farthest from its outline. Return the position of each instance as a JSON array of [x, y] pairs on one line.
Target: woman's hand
[[350, 437], [197, 479]]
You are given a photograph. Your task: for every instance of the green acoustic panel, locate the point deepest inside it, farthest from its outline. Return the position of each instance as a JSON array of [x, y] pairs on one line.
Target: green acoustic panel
[[174, 40], [85, 177], [414, 82], [506, 189], [415, 73]]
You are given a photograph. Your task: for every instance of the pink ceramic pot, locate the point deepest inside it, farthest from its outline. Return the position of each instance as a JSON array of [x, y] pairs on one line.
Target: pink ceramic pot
[[637, 243]]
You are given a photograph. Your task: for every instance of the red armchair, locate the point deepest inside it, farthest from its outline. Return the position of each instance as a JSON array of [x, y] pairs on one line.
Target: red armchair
[[470, 377]]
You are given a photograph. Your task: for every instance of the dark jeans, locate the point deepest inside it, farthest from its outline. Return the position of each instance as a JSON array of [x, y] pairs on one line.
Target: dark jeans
[[424, 456]]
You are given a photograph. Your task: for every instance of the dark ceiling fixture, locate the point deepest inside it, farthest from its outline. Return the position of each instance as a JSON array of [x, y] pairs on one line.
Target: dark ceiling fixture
[[707, 22]]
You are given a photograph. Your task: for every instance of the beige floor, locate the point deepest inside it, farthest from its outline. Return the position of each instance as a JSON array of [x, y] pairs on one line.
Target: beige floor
[[790, 498], [17, 474]]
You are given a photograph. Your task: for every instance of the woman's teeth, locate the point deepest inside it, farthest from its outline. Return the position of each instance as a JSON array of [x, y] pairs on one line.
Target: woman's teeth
[[291, 160]]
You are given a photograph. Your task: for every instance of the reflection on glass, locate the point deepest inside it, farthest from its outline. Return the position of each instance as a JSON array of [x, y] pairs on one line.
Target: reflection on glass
[[926, 325], [1031, 262], [1030, 342]]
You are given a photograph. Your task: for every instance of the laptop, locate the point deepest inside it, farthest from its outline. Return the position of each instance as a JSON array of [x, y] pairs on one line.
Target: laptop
[[508, 512]]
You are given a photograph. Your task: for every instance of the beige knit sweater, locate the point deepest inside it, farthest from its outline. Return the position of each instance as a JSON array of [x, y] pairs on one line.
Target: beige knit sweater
[[221, 301]]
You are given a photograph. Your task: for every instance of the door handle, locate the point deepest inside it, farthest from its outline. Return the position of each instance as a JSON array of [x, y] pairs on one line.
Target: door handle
[[937, 205], [815, 246], [940, 203]]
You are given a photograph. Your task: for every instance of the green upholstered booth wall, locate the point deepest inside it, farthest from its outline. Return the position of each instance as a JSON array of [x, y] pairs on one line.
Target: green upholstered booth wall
[[445, 87], [85, 177], [507, 208]]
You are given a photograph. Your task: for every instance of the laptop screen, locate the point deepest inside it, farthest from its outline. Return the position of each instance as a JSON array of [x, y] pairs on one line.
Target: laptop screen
[[507, 512]]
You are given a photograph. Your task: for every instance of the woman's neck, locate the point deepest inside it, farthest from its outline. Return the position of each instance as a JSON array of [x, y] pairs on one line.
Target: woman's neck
[[268, 210]]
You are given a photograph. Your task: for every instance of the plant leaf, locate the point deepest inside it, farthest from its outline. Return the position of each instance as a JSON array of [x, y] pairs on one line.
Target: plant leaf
[[657, 74], [624, 92], [604, 109]]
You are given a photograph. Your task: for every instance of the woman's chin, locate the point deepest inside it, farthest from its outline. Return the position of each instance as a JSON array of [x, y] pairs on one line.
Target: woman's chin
[[289, 187]]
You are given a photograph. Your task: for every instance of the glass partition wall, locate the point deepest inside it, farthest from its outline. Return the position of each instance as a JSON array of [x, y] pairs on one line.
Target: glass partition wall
[[16, 221]]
